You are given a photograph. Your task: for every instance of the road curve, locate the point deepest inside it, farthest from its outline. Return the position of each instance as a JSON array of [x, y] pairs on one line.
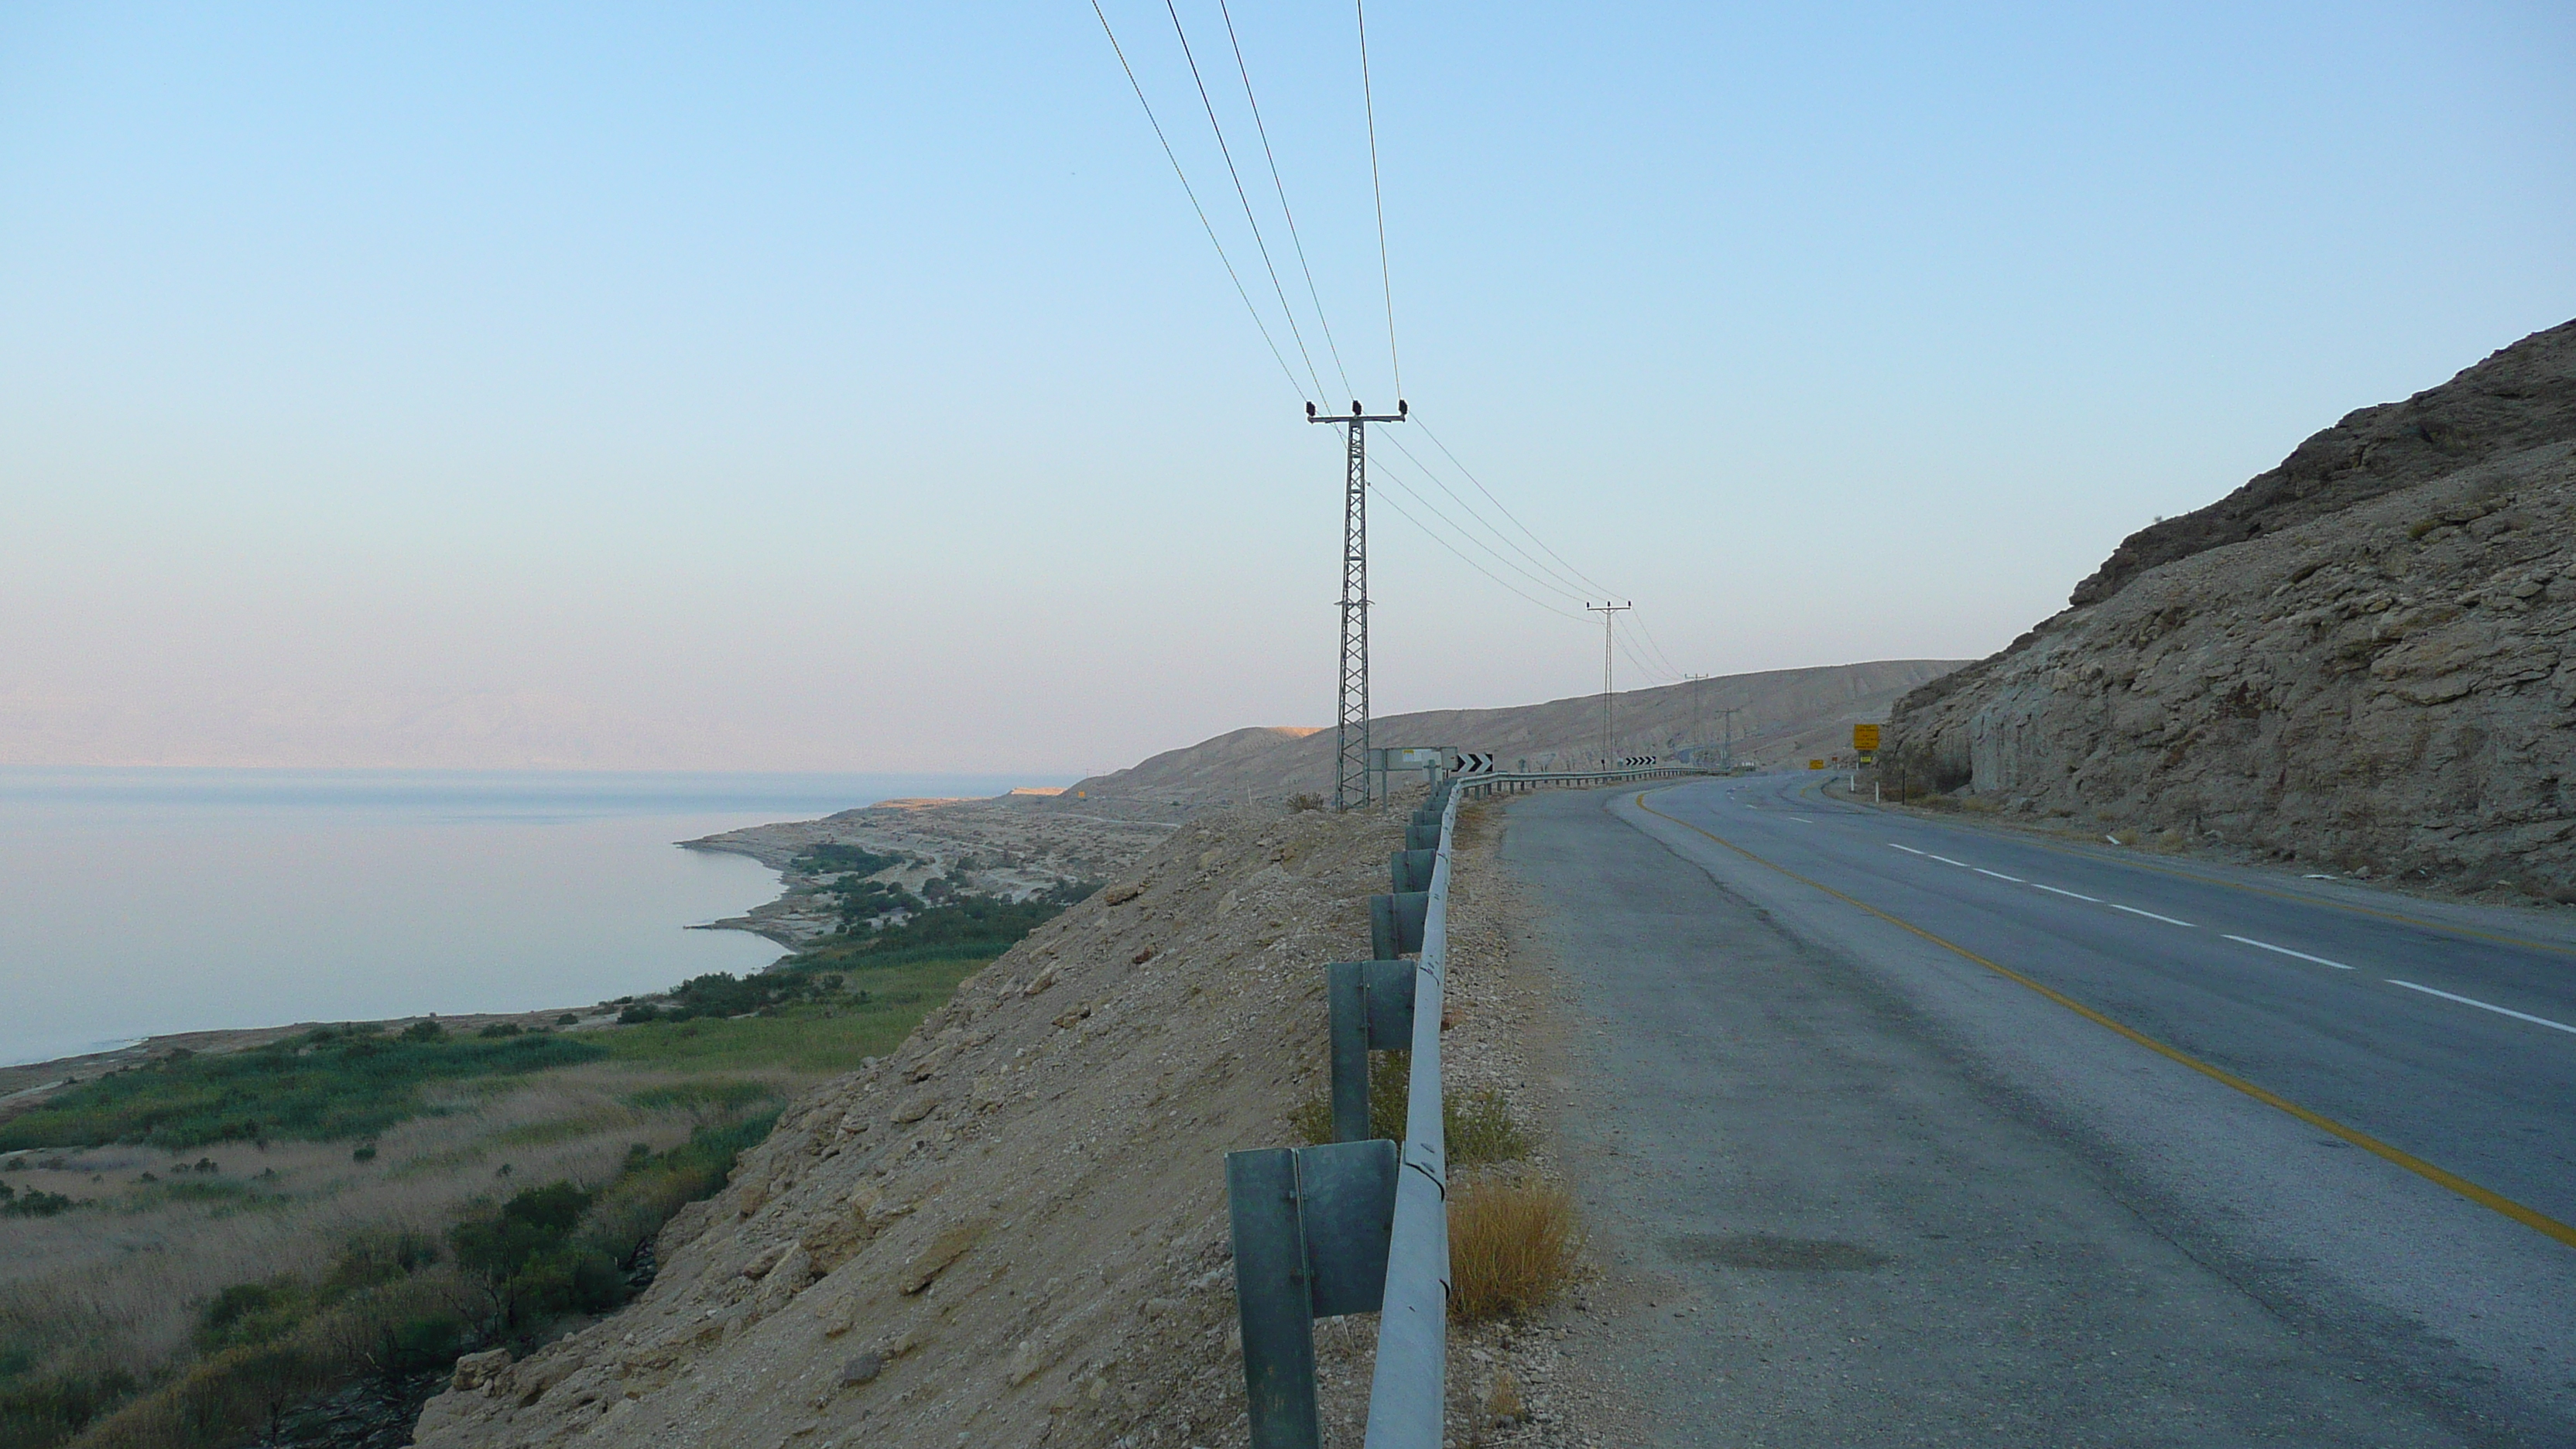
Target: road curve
[[2094, 1147]]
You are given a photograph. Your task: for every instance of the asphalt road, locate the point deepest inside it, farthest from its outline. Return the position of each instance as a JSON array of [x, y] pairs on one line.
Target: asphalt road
[[1921, 1133]]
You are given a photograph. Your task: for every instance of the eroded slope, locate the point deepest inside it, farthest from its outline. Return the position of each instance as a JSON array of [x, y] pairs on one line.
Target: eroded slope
[[1013, 1230]]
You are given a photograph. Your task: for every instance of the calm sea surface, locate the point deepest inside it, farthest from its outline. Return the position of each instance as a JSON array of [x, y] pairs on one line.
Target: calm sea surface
[[134, 902]]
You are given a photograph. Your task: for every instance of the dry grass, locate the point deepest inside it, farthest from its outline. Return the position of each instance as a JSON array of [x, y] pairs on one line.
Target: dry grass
[[119, 1286], [1514, 1244]]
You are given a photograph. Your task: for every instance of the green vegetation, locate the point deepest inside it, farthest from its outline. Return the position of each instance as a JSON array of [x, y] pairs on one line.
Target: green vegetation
[[385, 1306], [827, 859], [721, 1051], [822, 1034], [37, 1410], [561, 1249], [1478, 1127], [388, 1305], [319, 1085], [1475, 1127], [721, 994], [33, 1203], [976, 927], [862, 901]]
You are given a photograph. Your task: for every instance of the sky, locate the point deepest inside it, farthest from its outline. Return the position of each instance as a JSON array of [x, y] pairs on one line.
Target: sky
[[854, 387]]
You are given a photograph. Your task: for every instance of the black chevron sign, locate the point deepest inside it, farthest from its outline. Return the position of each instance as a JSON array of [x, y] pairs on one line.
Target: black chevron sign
[[1472, 762], [1636, 762]]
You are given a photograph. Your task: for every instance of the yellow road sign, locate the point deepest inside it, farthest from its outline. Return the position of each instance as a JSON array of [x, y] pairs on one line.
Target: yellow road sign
[[1864, 737], [1815, 764]]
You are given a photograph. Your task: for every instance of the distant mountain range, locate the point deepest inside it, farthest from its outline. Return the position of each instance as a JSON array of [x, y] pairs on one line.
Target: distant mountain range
[[1782, 716]]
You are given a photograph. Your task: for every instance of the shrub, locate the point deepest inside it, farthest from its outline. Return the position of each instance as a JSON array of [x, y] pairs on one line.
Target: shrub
[[33, 1203], [567, 1019], [827, 859], [561, 1248], [1474, 1126], [1513, 1246], [1303, 801], [500, 1029], [967, 928], [423, 1031], [253, 1313], [45, 1411], [1479, 1128]]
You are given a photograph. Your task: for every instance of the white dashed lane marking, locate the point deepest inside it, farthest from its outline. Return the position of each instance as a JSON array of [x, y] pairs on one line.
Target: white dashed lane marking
[[2483, 1006], [2052, 890], [2286, 951], [1999, 875], [2150, 915]]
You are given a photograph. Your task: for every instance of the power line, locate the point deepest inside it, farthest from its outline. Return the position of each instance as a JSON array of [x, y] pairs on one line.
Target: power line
[[1435, 511], [1386, 277], [1192, 193], [1282, 188], [1571, 588], [1436, 537], [1506, 512], [1657, 646], [1241, 195]]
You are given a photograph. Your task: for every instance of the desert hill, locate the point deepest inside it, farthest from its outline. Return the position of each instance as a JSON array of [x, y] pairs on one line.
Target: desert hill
[[2361, 657], [1785, 714]]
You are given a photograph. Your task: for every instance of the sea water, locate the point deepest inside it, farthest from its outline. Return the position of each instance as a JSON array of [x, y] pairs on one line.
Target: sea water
[[135, 902]]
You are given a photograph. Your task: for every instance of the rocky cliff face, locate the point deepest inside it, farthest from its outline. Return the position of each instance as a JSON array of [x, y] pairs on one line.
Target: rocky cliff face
[[2517, 399], [2362, 657]]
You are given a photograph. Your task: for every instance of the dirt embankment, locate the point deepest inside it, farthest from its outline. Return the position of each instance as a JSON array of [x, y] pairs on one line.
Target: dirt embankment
[[2373, 671], [1013, 1230]]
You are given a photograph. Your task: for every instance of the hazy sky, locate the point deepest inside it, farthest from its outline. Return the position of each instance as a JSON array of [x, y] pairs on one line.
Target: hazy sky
[[851, 387]]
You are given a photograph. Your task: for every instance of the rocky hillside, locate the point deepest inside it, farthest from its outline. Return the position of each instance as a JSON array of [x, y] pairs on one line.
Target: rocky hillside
[[1784, 714], [2359, 658], [1013, 1231]]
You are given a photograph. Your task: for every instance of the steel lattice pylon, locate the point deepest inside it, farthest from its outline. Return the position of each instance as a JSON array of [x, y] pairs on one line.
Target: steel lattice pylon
[[1351, 743], [1351, 724]]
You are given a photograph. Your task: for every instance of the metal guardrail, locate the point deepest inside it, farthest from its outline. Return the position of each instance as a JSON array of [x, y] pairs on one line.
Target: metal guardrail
[[1354, 1225], [1408, 1394], [1572, 779]]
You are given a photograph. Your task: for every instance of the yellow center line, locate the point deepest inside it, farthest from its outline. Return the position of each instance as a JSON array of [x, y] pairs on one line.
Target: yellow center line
[[2494, 1201]]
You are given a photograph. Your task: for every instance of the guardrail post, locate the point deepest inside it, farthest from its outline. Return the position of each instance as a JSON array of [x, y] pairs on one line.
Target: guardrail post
[[1372, 1010], [1272, 1300], [1395, 923], [1311, 1228], [1410, 870], [1421, 834]]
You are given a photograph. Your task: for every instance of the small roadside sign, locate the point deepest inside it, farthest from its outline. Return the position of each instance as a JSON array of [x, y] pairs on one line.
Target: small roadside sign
[[1815, 764], [1864, 737]]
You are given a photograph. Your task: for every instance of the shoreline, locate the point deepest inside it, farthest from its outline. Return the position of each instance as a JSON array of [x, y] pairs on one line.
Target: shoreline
[[1011, 845]]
